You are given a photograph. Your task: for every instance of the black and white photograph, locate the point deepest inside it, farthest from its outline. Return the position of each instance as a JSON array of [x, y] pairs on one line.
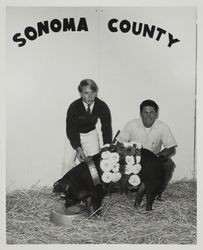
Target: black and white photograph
[[101, 124]]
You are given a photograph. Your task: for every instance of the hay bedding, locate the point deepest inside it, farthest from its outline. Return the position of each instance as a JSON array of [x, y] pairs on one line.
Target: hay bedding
[[171, 222]]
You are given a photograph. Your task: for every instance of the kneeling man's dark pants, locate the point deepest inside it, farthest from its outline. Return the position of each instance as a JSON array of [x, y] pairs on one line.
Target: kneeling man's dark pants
[[169, 167]]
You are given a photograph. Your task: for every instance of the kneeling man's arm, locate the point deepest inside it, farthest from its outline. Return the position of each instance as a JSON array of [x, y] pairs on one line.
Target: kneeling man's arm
[[167, 152]]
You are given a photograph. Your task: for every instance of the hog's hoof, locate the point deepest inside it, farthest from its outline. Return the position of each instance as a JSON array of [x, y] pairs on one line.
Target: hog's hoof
[[137, 206]]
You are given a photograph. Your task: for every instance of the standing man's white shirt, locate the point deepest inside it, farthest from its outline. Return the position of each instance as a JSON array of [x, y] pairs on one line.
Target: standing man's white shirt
[[158, 135], [86, 106]]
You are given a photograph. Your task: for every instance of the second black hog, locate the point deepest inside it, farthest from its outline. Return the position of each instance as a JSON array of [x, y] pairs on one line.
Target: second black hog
[[77, 184]]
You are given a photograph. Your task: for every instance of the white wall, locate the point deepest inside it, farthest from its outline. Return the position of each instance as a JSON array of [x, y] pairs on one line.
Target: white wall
[[137, 68], [43, 76]]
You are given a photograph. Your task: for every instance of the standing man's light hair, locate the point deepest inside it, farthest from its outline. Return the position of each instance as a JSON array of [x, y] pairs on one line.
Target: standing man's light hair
[[88, 82]]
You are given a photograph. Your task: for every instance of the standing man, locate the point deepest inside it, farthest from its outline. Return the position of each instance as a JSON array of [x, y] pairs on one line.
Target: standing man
[[82, 116], [154, 135]]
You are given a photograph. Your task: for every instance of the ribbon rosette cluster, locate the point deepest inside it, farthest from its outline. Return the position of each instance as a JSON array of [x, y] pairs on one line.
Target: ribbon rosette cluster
[[110, 166], [121, 159]]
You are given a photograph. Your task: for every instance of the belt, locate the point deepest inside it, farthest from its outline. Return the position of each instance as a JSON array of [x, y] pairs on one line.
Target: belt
[[84, 133], [93, 171]]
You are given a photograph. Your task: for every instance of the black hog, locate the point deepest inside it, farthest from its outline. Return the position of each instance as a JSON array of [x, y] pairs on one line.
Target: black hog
[[151, 176], [77, 184]]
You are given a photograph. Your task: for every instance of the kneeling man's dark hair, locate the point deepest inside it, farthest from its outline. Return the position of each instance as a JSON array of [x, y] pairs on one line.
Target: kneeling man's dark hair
[[150, 103]]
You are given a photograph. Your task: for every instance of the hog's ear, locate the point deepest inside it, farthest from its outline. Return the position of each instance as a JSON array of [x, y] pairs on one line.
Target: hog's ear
[[67, 187], [63, 186], [56, 188], [57, 182]]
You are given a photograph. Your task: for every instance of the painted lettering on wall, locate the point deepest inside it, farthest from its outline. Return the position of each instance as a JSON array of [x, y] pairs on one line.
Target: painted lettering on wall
[[55, 25], [71, 24], [145, 30]]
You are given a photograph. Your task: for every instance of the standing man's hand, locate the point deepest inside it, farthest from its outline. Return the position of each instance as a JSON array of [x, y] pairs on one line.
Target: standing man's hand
[[80, 154]]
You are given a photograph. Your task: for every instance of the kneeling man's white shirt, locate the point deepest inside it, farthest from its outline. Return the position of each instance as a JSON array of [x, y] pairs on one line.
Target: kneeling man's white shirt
[[157, 136]]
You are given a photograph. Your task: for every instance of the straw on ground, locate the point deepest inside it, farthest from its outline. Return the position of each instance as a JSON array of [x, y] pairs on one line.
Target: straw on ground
[[171, 222]]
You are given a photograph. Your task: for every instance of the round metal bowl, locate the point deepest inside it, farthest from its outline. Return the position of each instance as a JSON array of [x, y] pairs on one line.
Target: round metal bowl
[[67, 216]]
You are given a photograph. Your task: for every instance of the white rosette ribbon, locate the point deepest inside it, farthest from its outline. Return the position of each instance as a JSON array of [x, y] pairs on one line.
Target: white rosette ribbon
[[129, 160], [116, 176], [136, 168], [134, 180], [127, 144], [138, 159], [107, 177], [139, 145], [128, 169], [114, 157], [106, 165], [115, 167], [105, 155]]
